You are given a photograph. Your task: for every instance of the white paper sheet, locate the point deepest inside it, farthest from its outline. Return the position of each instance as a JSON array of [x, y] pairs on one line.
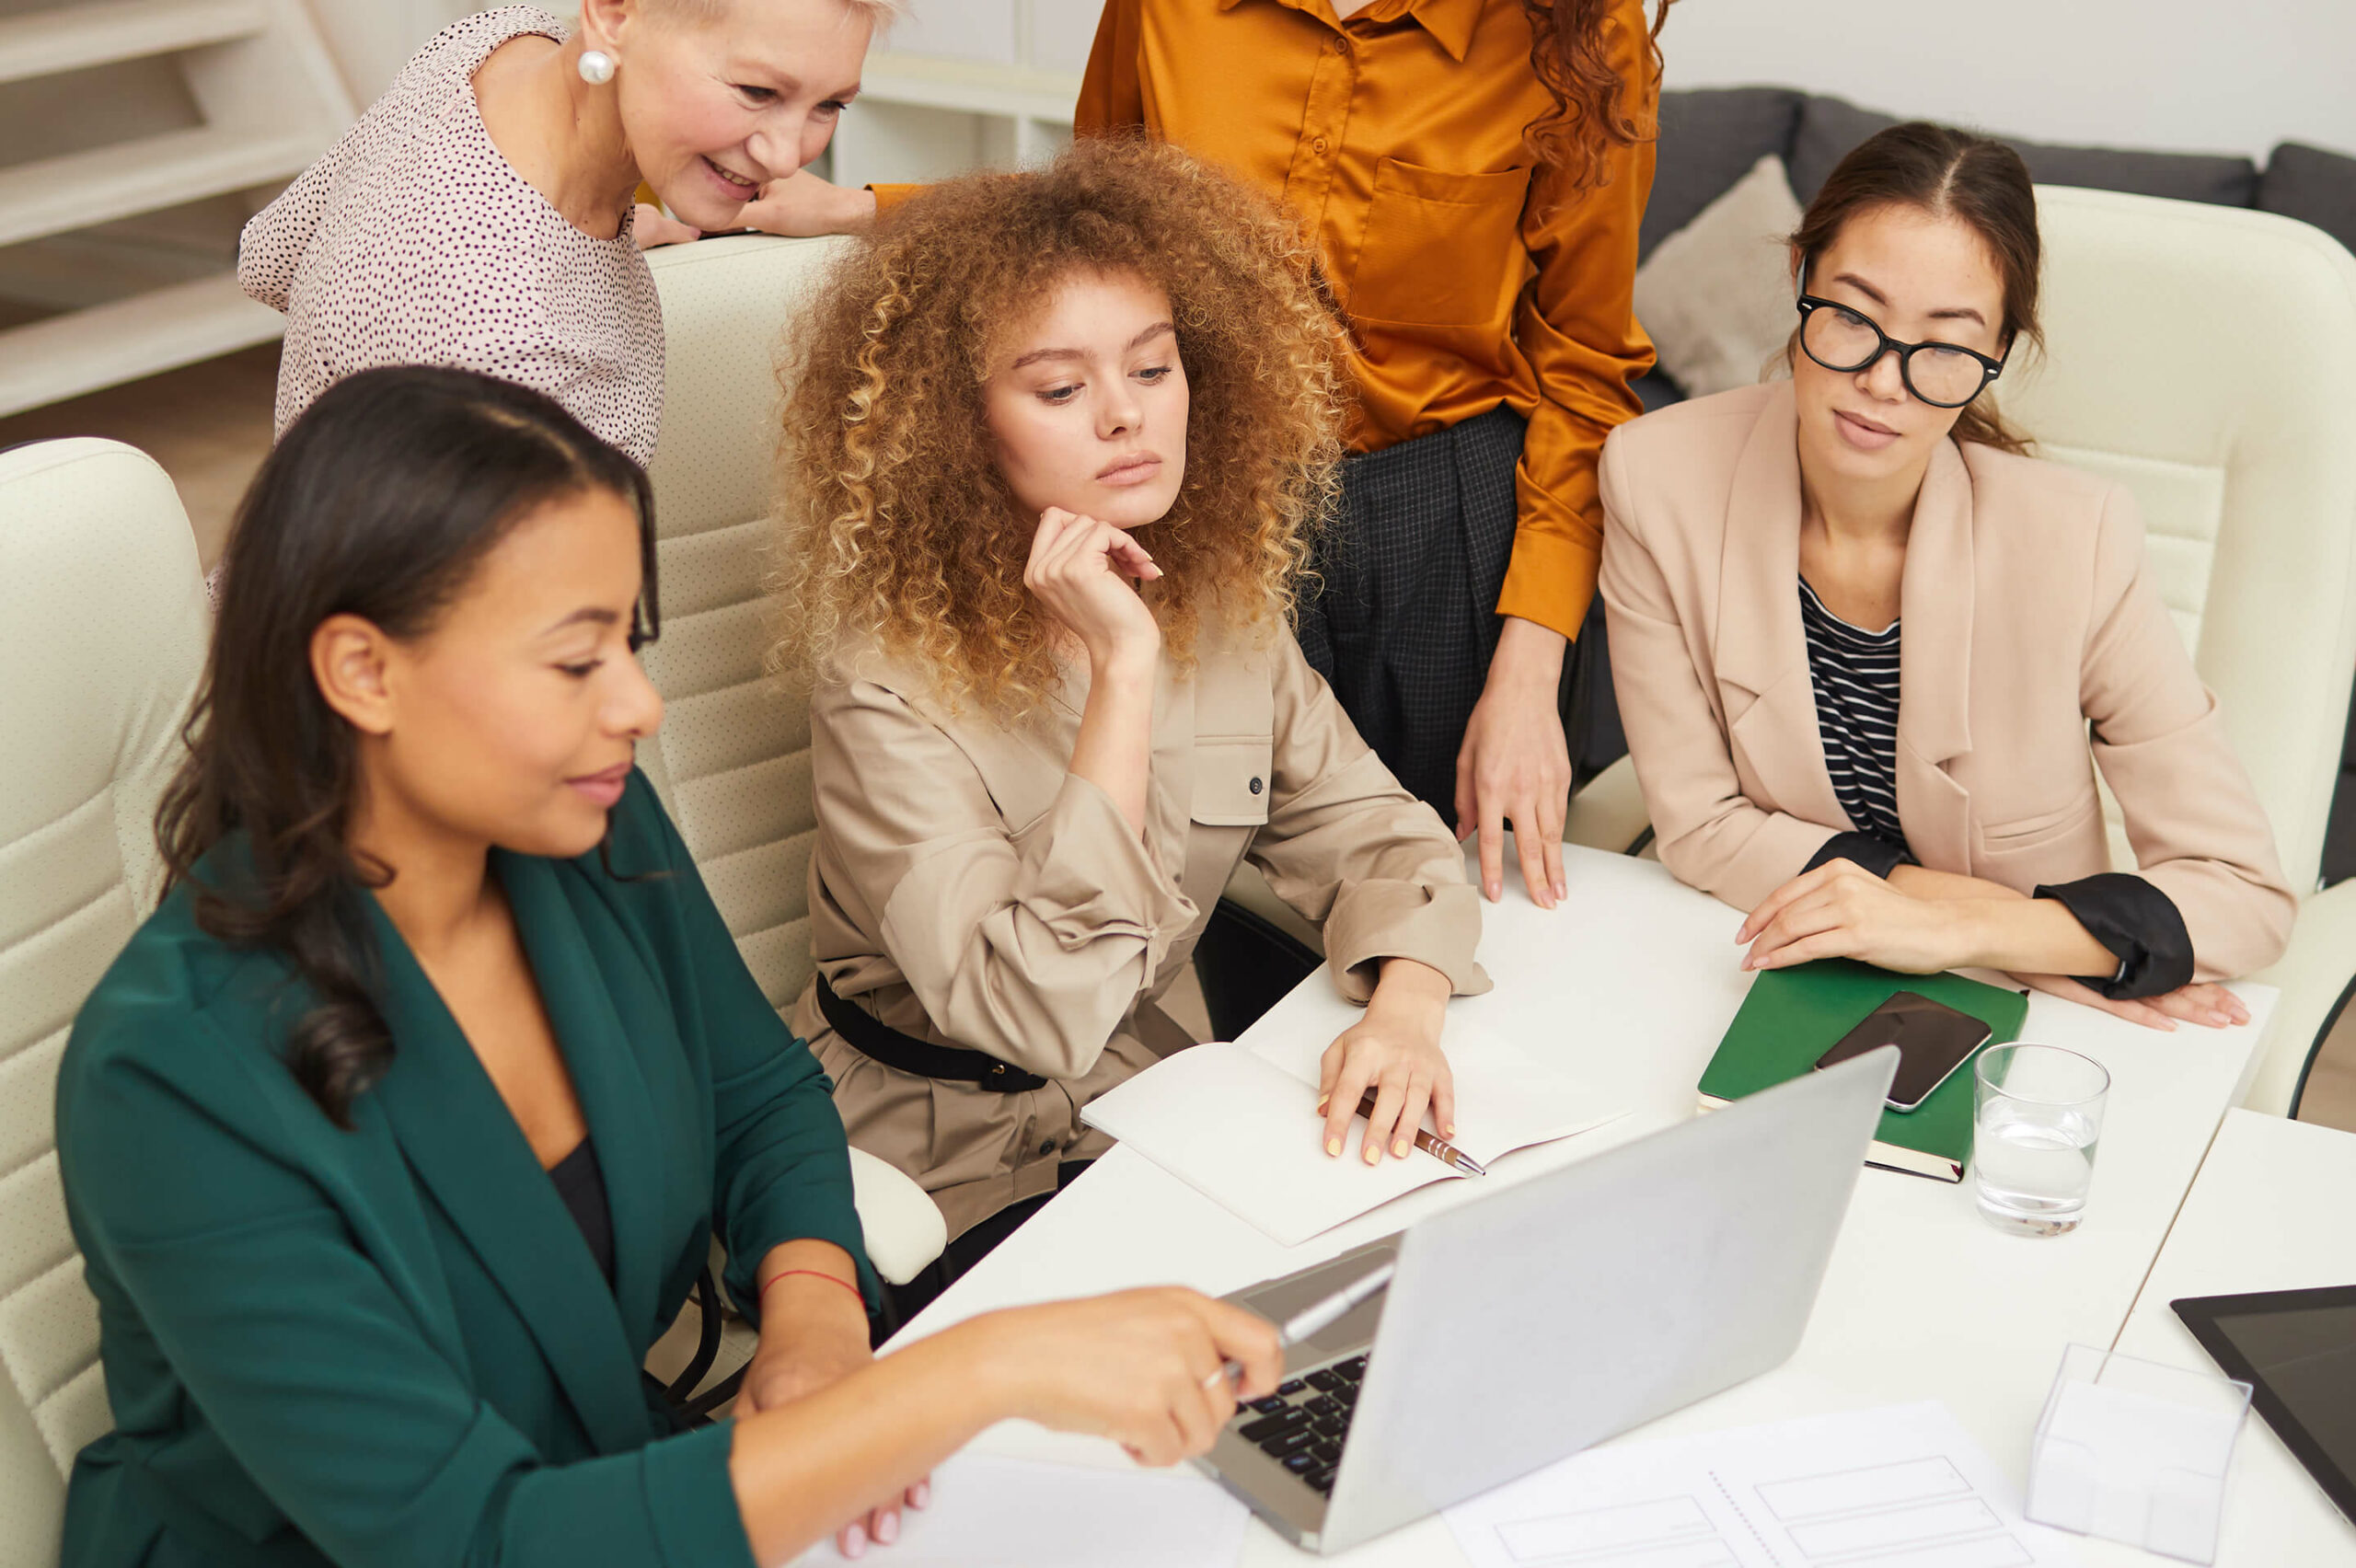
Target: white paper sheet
[[992, 1512], [1900, 1487], [1240, 1127]]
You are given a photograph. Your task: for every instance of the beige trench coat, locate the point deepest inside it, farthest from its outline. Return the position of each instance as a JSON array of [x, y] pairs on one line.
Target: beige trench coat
[[968, 891]]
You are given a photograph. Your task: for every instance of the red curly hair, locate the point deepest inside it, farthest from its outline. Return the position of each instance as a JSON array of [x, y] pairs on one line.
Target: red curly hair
[[1571, 45]]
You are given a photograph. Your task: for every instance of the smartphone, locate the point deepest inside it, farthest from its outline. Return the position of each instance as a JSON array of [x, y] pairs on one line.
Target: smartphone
[[1933, 1039]]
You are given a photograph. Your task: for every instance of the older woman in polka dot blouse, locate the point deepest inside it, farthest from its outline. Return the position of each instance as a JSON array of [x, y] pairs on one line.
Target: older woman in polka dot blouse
[[480, 214]]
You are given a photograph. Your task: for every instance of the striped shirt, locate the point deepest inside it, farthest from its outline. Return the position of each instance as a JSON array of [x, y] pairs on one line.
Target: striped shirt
[[1855, 677]]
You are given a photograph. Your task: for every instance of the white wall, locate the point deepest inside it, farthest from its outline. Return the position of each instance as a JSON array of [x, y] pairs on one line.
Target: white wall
[[1052, 35], [2190, 75], [372, 39]]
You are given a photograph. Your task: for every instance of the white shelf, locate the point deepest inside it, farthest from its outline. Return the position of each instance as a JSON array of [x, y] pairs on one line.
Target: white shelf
[[926, 117], [970, 87], [54, 195], [268, 100], [74, 38], [65, 356]]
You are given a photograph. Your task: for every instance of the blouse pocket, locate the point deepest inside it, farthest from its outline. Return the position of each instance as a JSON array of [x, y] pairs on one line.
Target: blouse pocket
[[1232, 776], [1442, 250]]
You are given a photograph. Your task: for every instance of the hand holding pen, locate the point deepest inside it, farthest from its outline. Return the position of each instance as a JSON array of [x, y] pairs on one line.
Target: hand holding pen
[[1447, 1153], [1394, 1052], [1316, 1317]]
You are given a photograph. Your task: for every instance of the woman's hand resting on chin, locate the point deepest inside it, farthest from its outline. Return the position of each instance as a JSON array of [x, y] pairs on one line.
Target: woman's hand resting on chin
[[1394, 1050], [1082, 572]]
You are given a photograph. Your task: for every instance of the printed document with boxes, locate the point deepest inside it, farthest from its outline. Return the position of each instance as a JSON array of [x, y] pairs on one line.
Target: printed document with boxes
[[1900, 1487]]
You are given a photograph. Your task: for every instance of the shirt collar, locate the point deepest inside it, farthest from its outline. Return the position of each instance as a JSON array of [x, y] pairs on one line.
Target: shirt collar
[[1450, 22]]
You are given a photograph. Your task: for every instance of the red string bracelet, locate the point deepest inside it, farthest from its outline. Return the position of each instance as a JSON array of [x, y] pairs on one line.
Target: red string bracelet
[[814, 1274]]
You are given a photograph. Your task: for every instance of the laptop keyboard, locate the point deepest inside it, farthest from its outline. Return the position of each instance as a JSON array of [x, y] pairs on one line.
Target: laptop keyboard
[[1302, 1424]]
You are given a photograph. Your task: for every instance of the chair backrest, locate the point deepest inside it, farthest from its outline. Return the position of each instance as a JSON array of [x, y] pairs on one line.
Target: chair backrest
[[2205, 357], [731, 761], [102, 634]]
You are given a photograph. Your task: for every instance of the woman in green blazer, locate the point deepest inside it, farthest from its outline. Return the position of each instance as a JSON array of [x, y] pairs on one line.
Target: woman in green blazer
[[396, 1137]]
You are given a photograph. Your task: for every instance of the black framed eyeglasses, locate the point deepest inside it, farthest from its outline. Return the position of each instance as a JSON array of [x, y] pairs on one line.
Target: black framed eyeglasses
[[1945, 376]]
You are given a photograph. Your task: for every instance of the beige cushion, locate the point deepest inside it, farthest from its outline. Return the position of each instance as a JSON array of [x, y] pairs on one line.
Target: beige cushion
[[732, 760], [1716, 295], [102, 633]]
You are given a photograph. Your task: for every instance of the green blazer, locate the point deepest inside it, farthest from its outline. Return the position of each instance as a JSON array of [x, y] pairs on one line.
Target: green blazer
[[391, 1345]]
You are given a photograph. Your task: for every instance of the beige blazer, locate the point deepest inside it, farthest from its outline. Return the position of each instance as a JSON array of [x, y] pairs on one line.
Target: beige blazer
[[968, 889], [2031, 618]]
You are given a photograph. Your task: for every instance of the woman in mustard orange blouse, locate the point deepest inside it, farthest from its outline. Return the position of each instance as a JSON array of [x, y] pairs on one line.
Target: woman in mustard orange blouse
[[1474, 172]]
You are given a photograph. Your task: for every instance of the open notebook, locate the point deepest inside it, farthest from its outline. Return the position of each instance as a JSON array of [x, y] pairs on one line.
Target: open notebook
[[1241, 1128]]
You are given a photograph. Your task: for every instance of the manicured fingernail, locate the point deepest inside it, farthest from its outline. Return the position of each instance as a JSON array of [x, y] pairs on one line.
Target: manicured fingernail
[[1399, 1149], [1321, 1108], [887, 1529], [854, 1543], [1373, 1153], [1333, 1146], [920, 1495], [1449, 1131]]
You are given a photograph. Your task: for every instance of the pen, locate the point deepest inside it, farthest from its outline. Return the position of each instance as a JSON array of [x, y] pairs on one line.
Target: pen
[[1317, 1316], [1447, 1153]]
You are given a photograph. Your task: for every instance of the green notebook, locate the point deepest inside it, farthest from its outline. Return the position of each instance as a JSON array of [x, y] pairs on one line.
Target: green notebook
[[1794, 1016]]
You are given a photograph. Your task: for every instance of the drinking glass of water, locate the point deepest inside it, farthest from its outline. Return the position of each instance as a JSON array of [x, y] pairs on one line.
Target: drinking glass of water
[[2037, 1112]]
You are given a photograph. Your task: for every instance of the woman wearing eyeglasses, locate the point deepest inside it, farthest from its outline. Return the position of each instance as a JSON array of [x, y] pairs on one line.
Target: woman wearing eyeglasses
[[1870, 654]]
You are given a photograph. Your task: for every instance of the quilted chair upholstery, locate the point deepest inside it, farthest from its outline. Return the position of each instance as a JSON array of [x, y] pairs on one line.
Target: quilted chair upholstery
[[102, 632], [2205, 357], [732, 760]]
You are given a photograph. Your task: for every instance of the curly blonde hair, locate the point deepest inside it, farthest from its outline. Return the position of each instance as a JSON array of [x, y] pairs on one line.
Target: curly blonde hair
[[895, 525]]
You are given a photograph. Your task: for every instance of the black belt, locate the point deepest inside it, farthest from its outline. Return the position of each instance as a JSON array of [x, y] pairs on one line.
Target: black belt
[[878, 1041]]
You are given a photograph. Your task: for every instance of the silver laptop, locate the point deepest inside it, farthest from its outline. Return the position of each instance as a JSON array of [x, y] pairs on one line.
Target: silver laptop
[[1534, 1321]]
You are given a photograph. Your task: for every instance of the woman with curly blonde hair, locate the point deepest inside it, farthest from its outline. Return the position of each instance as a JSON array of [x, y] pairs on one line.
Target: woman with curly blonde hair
[[1053, 450], [1474, 173]]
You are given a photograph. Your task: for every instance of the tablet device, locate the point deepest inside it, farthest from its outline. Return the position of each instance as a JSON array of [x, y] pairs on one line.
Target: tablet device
[[2297, 1351]]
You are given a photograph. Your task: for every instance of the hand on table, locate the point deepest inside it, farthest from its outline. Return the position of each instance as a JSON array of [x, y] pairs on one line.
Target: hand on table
[[654, 226], [2204, 1003], [1842, 910], [1515, 765], [801, 206], [1141, 1366], [1394, 1050], [814, 1331]]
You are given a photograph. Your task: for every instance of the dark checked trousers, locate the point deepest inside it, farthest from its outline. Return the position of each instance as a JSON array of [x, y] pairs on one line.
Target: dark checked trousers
[[1407, 619]]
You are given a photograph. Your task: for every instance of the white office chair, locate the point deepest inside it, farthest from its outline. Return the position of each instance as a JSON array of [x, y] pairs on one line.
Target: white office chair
[[2205, 357], [102, 632], [732, 760]]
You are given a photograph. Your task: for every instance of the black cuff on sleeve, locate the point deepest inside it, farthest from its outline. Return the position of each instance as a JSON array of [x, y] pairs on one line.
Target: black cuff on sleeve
[[2138, 923], [1869, 850]]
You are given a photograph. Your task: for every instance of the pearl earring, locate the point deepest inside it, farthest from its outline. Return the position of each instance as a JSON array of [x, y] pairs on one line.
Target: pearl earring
[[596, 68]]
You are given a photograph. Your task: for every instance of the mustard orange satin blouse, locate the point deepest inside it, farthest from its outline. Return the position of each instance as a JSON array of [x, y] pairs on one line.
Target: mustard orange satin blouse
[[1469, 276]]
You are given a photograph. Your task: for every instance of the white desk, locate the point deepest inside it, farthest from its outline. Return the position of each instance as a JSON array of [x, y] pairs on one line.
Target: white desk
[[1633, 979], [2274, 1209]]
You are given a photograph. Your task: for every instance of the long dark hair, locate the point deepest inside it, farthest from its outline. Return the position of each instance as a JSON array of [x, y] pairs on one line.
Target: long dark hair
[[1949, 174], [380, 502], [1570, 48]]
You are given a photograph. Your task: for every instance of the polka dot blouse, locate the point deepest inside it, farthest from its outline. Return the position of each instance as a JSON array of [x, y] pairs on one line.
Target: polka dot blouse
[[412, 241]]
